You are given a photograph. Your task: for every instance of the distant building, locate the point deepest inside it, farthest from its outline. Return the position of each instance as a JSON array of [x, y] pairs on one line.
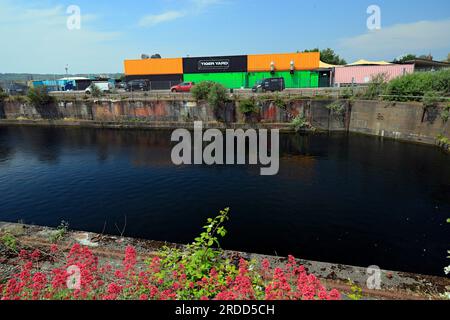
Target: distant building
[[16, 89], [362, 72], [64, 84], [299, 70], [423, 65]]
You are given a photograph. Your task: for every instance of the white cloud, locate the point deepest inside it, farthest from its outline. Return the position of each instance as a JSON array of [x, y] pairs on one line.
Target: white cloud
[[195, 7], [420, 37], [152, 20]]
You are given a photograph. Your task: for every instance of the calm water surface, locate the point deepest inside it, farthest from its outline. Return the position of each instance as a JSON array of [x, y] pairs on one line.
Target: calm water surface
[[345, 199]]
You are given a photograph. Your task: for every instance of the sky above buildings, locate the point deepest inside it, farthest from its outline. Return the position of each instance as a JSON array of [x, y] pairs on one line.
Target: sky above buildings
[[35, 37]]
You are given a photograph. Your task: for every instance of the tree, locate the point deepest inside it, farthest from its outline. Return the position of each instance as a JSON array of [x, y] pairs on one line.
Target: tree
[[156, 56], [328, 56], [448, 58], [405, 57]]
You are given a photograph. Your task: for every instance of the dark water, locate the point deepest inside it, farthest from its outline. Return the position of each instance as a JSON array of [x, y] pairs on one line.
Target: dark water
[[345, 199]]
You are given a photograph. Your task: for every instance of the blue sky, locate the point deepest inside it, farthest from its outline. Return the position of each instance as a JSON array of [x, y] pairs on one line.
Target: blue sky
[[36, 39]]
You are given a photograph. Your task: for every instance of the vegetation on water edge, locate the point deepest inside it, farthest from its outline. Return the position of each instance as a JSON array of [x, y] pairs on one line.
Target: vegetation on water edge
[[39, 97], [300, 122], [443, 141], [200, 272]]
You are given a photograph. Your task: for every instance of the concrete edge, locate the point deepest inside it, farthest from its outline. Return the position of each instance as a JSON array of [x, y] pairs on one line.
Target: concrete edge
[[394, 285]]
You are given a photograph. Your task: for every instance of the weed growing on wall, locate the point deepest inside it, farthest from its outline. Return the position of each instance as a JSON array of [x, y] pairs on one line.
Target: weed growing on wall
[[431, 99], [96, 92], [39, 97], [445, 113], [60, 232], [9, 241], [279, 102], [248, 106], [300, 122], [337, 108]]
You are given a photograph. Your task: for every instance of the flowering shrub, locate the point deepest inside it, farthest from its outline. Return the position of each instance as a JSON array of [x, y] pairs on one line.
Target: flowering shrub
[[201, 272]]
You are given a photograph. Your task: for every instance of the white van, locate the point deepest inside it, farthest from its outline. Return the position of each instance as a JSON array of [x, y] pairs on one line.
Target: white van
[[104, 86]]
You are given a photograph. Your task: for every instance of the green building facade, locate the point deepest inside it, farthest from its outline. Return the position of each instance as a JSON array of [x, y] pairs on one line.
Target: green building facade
[[298, 79], [237, 80], [231, 80]]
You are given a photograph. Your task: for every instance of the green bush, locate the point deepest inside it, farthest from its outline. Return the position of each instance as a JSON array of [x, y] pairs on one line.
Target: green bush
[[248, 106], [377, 86], [214, 93], [9, 241], [201, 91], [39, 97], [443, 141], [413, 87], [96, 92], [217, 95]]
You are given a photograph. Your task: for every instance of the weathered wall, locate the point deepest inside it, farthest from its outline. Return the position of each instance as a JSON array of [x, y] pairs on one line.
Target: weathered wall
[[406, 121], [173, 111]]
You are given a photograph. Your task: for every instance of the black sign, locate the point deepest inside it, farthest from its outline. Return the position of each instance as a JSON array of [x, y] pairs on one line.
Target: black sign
[[215, 64]]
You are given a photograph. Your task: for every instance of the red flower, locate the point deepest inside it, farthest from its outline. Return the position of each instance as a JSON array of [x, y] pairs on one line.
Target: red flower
[[54, 248]]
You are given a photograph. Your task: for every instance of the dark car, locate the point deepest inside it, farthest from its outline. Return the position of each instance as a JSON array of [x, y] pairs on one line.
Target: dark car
[[270, 84], [138, 85]]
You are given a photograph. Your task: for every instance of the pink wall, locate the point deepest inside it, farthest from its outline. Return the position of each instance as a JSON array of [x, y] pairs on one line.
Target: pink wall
[[363, 74]]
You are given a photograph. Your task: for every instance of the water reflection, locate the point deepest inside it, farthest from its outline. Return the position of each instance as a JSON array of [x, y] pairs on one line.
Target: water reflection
[[339, 198]]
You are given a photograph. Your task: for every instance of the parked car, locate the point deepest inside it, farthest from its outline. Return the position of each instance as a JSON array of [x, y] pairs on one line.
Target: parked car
[[183, 87], [138, 85], [104, 86], [270, 84]]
